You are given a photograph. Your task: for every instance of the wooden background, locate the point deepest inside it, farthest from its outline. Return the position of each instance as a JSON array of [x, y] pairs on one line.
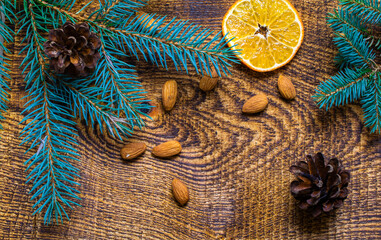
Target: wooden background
[[236, 166]]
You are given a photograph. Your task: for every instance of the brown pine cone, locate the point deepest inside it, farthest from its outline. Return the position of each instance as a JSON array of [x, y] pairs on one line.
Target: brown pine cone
[[321, 185], [73, 49]]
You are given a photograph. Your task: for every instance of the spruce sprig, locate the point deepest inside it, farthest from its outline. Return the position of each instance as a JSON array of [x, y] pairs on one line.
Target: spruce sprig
[[359, 76], [112, 98], [6, 36]]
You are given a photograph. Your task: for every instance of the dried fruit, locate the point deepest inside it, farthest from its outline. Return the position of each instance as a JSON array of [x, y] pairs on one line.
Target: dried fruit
[[255, 104], [207, 83], [180, 191], [286, 88], [321, 185], [267, 33], [132, 150], [169, 94], [167, 149]]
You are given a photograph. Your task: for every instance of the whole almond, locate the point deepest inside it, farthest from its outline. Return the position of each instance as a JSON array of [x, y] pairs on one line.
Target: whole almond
[[207, 83], [167, 149], [286, 88], [180, 191], [132, 150], [256, 104], [169, 94]]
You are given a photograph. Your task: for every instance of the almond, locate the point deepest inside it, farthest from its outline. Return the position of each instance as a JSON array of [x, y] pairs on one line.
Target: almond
[[133, 150], [180, 191], [255, 104], [167, 149], [169, 94], [286, 88], [207, 83]]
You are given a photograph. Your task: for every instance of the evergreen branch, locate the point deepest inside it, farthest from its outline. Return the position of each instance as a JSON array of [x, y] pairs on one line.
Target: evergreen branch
[[87, 106], [179, 41], [122, 89], [48, 129], [355, 49], [63, 4], [367, 10], [117, 80], [114, 11], [111, 96], [345, 87], [185, 44], [371, 104], [51, 133], [341, 19], [5, 36], [341, 62]]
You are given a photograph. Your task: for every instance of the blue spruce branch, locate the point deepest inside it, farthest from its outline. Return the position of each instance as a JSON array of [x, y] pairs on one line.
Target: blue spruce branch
[[182, 43], [116, 10], [6, 36], [368, 10], [371, 103], [51, 133], [354, 48], [343, 88], [49, 130], [111, 98], [341, 19], [359, 76]]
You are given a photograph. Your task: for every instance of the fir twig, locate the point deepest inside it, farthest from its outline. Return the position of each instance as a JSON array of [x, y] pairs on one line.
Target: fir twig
[[6, 9], [368, 10], [354, 48], [111, 98], [343, 88], [359, 77], [185, 44], [371, 103], [49, 130]]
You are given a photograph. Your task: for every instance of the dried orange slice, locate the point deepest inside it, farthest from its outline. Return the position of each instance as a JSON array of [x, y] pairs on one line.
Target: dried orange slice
[[267, 32]]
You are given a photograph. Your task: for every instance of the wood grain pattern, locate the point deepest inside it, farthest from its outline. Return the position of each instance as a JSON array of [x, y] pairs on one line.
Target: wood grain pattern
[[235, 166]]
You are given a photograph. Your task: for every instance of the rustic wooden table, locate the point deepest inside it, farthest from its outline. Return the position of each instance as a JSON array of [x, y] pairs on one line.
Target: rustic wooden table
[[236, 166]]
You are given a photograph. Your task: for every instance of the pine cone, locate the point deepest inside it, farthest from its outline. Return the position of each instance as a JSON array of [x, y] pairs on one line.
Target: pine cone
[[73, 49], [321, 185]]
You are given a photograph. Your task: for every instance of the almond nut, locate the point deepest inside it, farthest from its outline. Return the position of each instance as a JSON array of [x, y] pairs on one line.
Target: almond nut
[[286, 88], [207, 83], [169, 94], [167, 149], [255, 104], [133, 150], [180, 191]]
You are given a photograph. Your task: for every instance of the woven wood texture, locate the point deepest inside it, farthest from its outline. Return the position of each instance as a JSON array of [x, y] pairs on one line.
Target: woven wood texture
[[235, 165]]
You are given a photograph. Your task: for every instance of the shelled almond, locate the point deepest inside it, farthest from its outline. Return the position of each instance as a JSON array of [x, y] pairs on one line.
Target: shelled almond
[[286, 88], [167, 149], [133, 150], [180, 191], [169, 94], [256, 104], [207, 83]]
